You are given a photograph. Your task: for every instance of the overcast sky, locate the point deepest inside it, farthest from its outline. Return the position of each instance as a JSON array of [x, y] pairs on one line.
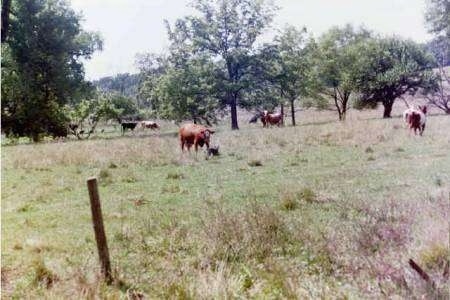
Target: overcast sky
[[134, 26]]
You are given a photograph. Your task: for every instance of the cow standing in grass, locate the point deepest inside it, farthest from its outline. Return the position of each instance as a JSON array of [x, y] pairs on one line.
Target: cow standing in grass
[[193, 134], [416, 118], [125, 125], [272, 119], [149, 124]]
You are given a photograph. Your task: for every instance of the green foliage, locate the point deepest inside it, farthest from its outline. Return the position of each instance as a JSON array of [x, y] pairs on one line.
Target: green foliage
[[390, 68], [87, 113], [42, 68], [437, 16], [338, 62], [186, 92], [123, 84], [225, 31]]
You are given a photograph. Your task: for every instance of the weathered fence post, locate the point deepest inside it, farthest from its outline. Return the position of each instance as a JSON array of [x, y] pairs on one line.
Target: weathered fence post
[[99, 230]]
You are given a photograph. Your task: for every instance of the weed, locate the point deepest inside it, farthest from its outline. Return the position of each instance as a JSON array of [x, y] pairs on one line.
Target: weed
[[112, 165], [288, 201], [105, 177], [435, 257], [175, 175], [42, 275], [306, 194], [255, 163], [369, 150]]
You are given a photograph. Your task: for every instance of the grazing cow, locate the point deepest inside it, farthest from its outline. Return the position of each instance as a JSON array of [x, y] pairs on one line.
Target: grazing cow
[[149, 124], [416, 118], [193, 134], [128, 125], [272, 119]]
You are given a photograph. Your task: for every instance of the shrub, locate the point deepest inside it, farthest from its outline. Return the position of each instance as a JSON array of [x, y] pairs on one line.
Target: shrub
[[435, 257], [288, 201]]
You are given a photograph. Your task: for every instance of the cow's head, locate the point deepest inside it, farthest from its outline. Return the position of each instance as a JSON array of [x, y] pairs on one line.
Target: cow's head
[[423, 108], [206, 134]]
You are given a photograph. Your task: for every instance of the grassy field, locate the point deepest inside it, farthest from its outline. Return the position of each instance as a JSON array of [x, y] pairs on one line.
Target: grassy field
[[321, 210]]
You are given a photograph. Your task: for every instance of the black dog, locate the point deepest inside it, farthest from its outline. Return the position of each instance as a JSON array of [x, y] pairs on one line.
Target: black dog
[[212, 151]]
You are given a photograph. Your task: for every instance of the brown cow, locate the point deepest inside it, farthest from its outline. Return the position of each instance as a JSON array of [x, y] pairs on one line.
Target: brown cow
[[416, 118], [272, 119], [149, 124], [193, 134]]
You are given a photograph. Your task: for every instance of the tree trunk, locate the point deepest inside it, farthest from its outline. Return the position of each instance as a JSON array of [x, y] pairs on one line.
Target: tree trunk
[[233, 106], [387, 108], [282, 113], [292, 112], [6, 5]]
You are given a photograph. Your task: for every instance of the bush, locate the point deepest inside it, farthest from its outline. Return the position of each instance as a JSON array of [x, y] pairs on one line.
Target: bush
[[253, 233], [435, 257]]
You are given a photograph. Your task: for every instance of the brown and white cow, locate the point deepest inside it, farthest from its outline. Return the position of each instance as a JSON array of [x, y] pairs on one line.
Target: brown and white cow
[[272, 119], [193, 134], [149, 124], [416, 118]]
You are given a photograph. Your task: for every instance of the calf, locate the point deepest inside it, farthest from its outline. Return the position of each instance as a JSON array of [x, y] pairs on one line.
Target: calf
[[149, 124], [416, 118], [128, 125], [193, 134]]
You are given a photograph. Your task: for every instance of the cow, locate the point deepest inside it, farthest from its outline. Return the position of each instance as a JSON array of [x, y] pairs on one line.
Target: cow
[[416, 118], [193, 134], [149, 124], [272, 119], [128, 125]]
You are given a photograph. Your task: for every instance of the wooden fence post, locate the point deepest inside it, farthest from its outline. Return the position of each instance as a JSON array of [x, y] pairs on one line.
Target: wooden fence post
[[99, 230]]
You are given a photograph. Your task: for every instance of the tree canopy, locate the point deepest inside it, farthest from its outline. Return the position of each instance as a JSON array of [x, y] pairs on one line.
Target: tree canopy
[[41, 66], [391, 68]]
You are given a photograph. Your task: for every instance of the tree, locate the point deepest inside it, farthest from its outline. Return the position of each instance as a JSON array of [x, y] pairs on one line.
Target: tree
[[438, 92], [6, 7], [290, 66], [390, 68], [339, 64], [187, 92], [86, 114], [42, 66], [152, 67], [437, 17], [226, 30]]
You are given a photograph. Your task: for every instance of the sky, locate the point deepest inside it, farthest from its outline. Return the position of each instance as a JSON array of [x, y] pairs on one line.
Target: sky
[[129, 27]]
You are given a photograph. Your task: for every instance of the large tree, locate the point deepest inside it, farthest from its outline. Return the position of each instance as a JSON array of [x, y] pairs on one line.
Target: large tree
[[291, 66], [390, 68], [186, 92], [226, 30], [339, 64], [438, 20], [42, 66]]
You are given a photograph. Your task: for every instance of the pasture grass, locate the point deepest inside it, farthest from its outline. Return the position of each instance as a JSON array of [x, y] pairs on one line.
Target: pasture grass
[[321, 210]]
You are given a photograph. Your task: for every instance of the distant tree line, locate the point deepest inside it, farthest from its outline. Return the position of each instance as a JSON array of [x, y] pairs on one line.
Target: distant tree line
[[213, 65]]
